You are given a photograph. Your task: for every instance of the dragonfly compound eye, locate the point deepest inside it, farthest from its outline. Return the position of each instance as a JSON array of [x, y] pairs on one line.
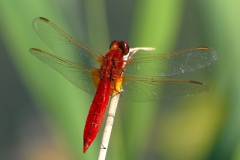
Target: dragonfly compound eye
[[120, 44], [124, 47], [114, 45]]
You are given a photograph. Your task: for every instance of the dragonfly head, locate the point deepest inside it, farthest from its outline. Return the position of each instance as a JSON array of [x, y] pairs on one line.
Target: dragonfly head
[[120, 45]]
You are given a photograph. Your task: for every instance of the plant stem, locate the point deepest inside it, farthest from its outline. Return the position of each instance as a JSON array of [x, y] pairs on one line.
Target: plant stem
[[108, 127]]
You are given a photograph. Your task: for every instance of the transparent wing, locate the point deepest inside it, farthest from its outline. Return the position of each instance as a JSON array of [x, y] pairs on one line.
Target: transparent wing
[[172, 63], [79, 76], [64, 45], [145, 89]]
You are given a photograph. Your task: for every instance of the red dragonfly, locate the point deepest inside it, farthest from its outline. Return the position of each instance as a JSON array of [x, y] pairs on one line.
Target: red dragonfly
[[94, 73]]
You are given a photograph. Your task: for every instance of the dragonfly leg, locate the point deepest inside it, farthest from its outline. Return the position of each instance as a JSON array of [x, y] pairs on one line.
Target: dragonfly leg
[[116, 90]]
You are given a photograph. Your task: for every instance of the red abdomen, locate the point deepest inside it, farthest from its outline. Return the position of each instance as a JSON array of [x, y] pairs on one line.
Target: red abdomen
[[96, 112]]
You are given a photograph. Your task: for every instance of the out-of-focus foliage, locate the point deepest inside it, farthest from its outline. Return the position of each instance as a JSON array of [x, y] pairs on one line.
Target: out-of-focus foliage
[[203, 126]]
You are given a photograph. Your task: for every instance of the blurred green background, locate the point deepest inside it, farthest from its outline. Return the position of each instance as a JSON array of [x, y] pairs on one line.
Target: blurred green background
[[42, 115]]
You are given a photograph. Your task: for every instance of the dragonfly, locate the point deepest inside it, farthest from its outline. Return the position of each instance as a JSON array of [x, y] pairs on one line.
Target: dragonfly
[[140, 77]]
